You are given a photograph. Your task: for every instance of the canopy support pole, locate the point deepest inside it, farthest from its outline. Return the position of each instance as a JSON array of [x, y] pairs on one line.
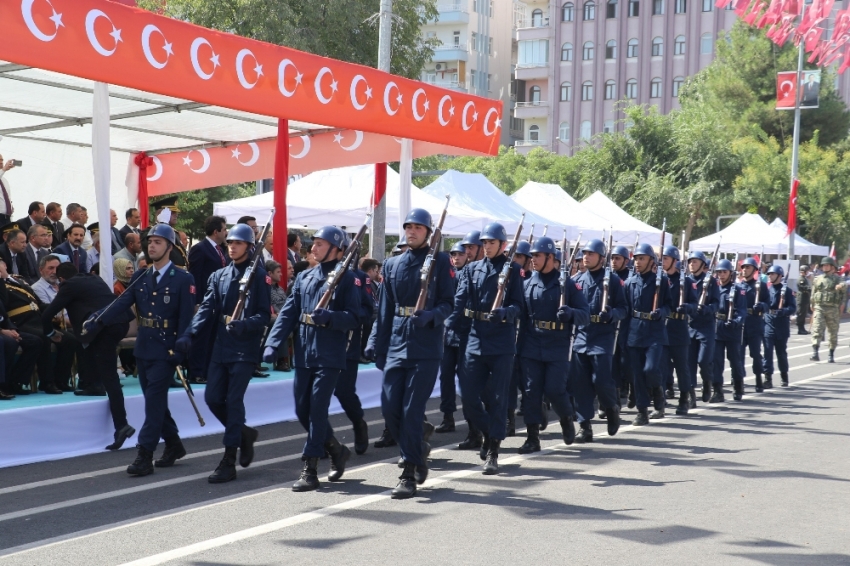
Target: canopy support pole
[[405, 180], [101, 165], [281, 181]]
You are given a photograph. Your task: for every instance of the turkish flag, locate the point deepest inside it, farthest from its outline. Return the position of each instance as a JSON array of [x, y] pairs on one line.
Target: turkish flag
[[832, 250], [786, 89], [792, 207]]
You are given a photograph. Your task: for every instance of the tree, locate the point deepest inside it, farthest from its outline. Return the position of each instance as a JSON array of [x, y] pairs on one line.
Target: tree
[[195, 206]]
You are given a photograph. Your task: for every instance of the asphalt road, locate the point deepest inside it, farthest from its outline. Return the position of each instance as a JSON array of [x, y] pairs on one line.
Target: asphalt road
[[763, 481]]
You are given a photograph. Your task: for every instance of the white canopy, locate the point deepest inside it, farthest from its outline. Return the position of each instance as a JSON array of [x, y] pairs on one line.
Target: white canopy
[[475, 192], [801, 245], [626, 227], [552, 201], [749, 234], [341, 197]]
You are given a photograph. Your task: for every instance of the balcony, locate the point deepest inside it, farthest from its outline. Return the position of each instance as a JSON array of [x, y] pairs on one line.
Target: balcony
[[452, 12], [453, 85], [533, 109], [451, 53], [530, 71], [523, 147]]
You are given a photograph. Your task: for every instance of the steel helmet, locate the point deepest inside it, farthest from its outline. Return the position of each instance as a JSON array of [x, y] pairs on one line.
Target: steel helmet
[[241, 233], [523, 248], [458, 247], [331, 234], [828, 261], [418, 216], [558, 256], [595, 246], [751, 262], [672, 251], [776, 269], [578, 256], [698, 255], [724, 265], [163, 230], [472, 239], [494, 231], [543, 245], [644, 249], [621, 251]]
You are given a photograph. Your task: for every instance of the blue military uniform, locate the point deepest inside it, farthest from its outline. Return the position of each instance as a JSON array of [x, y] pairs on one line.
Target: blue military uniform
[[515, 387], [728, 338], [757, 305], [777, 330], [702, 334], [621, 364], [678, 335]]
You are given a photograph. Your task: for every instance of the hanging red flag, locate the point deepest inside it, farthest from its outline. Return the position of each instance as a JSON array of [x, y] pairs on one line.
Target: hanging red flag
[[792, 207], [812, 38], [832, 250]]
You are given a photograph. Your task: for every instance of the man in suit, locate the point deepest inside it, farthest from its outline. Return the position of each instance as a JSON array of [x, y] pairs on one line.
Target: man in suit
[[52, 222], [810, 92], [115, 237], [35, 215], [205, 257], [13, 252], [39, 239], [72, 247], [6, 208], [293, 248], [133, 220], [75, 213], [131, 249], [18, 370]]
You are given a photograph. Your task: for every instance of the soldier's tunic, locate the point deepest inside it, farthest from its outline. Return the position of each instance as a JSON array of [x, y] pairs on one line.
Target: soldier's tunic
[[777, 328], [804, 296], [826, 300], [702, 328]]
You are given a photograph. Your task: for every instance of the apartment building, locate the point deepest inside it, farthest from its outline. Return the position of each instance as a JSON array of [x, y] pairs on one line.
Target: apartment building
[[474, 54]]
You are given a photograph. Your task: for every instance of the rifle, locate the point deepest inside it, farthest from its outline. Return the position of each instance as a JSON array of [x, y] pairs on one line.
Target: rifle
[[606, 280], [505, 275], [731, 296], [531, 235], [573, 253], [709, 274], [189, 392], [784, 288], [684, 254], [248, 276], [545, 229], [335, 276], [758, 277], [562, 279], [428, 266], [637, 241], [660, 269]]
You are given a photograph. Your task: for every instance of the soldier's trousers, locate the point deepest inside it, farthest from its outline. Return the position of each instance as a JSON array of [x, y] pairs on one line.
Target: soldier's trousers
[[825, 319], [346, 391], [408, 385], [701, 355], [200, 352], [622, 368], [313, 388], [450, 366], [780, 345], [677, 358], [515, 385], [753, 341], [545, 378], [591, 377], [803, 304], [647, 366], [486, 380], [155, 377], [225, 396], [724, 350]]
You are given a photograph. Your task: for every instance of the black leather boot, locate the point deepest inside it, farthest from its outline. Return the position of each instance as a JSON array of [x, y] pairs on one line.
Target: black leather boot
[[309, 479], [739, 390], [361, 437], [545, 413], [226, 470], [684, 402], [491, 465], [568, 430], [692, 394], [759, 384], [511, 427], [120, 436], [485, 446], [174, 450], [815, 357], [473, 439], [768, 381], [406, 487], [632, 400], [613, 414], [420, 473], [448, 424], [784, 376], [669, 392], [532, 442], [717, 396], [706, 391], [339, 456], [386, 440], [143, 464], [659, 401], [427, 430], [585, 433], [246, 448], [642, 418], [831, 359]]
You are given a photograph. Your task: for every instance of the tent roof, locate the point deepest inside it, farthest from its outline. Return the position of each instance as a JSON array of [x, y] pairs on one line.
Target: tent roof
[[340, 197], [552, 201], [626, 227], [801, 245], [475, 192], [749, 234]]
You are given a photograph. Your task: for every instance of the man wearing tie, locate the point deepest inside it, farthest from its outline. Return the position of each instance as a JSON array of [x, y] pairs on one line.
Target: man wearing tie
[[6, 208], [35, 215], [13, 252], [205, 257], [293, 248], [52, 223], [72, 247], [39, 239], [133, 220]]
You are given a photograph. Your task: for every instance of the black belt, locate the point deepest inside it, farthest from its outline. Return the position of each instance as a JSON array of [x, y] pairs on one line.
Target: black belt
[[677, 316], [478, 315], [751, 311], [642, 315], [774, 311], [152, 323], [307, 319], [595, 318], [405, 311], [721, 316], [548, 325]]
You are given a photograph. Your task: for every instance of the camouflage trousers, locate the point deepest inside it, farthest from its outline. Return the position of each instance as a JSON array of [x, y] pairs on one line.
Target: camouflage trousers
[[826, 318]]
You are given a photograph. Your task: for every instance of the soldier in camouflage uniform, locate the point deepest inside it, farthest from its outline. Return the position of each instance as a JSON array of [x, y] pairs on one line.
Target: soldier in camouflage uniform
[[828, 292], [804, 295]]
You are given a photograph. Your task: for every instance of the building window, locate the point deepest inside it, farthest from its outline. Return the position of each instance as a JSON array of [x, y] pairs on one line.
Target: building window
[[589, 11], [489, 77], [564, 132], [490, 45], [657, 7], [567, 52], [706, 44], [679, 45], [586, 130], [474, 42], [631, 89], [611, 49], [730, 6], [534, 94], [611, 9], [587, 51], [634, 8], [707, 5], [655, 88], [677, 85], [608, 127], [567, 12], [533, 53], [537, 18], [566, 92], [632, 49], [457, 39], [657, 47], [473, 79], [681, 6], [610, 90], [534, 133], [587, 90]]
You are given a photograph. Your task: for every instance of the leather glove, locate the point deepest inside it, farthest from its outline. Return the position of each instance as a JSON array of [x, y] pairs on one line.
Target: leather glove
[[270, 355], [422, 318], [682, 309], [321, 316], [380, 362], [236, 327], [92, 325], [183, 344], [565, 314], [655, 315], [369, 353], [606, 316], [176, 358], [700, 309], [498, 315], [729, 324], [758, 308]]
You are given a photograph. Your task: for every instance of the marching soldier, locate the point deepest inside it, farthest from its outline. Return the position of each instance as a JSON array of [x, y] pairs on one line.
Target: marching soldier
[[678, 333], [321, 344], [234, 350], [164, 299], [451, 364], [777, 324], [492, 341], [804, 295], [828, 293], [757, 305], [622, 367], [593, 347], [522, 257], [546, 331], [409, 345], [178, 255], [727, 344], [702, 327]]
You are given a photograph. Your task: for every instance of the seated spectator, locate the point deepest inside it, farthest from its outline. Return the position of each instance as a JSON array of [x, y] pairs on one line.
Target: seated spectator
[[93, 265], [72, 246], [39, 238], [52, 221], [13, 252], [35, 215], [122, 270], [17, 369], [131, 250]]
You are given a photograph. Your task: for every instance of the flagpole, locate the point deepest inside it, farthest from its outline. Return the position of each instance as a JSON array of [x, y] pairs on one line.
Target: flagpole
[[795, 147]]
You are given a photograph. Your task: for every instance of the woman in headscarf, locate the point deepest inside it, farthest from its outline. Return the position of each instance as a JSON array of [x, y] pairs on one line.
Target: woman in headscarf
[[123, 271]]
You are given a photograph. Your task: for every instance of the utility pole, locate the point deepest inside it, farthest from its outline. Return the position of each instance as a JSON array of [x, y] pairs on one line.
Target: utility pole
[[377, 239], [795, 147]]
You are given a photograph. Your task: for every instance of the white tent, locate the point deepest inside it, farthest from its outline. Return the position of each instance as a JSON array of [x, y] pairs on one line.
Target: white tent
[[341, 197], [749, 234], [801, 245], [552, 201], [626, 227], [475, 192]]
